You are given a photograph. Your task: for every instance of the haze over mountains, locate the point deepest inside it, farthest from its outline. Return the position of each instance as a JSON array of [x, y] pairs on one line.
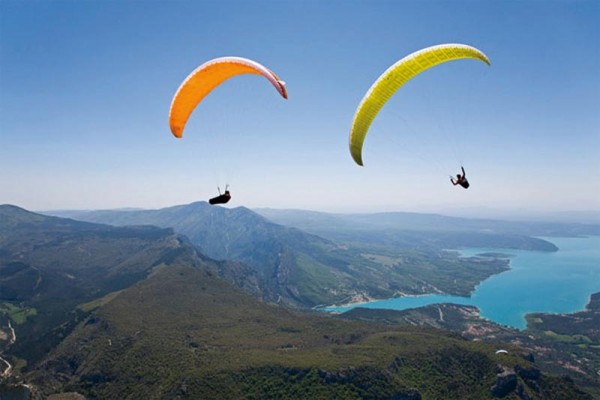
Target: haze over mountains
[[308, 258], [140, 312], [332, 224]]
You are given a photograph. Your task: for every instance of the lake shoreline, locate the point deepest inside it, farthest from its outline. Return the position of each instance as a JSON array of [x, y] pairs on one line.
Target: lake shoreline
[[559, 282], [363, 298]]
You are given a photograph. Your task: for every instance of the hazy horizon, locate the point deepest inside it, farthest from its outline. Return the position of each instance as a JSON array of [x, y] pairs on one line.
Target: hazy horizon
[[583, 216]]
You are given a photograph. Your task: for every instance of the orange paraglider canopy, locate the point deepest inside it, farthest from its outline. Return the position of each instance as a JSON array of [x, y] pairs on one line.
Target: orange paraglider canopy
[[207, 77]]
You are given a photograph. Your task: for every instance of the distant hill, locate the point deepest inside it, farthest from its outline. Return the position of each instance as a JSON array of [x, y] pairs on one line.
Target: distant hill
[[182, 333], [48, 265], [275, 252], [437, 227], [220, 233], [304, 269]]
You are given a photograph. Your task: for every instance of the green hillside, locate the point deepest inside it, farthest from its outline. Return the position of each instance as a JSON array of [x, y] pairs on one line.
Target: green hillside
[[49, 265], [563, 344], [183, 333]]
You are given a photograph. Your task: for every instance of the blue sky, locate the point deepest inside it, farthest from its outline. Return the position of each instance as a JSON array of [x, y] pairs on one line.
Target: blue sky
[[85, 90]]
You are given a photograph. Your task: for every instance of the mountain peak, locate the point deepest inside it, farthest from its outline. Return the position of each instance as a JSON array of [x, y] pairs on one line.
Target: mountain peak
[[12, 216]]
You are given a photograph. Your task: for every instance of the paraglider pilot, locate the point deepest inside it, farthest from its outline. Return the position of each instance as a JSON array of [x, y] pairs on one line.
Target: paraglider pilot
[[460, 179], [221, 198]]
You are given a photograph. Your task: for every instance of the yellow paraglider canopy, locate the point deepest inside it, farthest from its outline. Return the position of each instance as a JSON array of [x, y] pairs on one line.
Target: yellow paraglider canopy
[[393, 79]]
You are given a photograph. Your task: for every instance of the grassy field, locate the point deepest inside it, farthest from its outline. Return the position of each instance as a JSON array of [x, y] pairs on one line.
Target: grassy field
[[17, 313]]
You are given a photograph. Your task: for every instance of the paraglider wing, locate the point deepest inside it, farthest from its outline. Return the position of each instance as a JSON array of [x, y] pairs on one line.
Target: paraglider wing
[[396, 76], [207, 77]]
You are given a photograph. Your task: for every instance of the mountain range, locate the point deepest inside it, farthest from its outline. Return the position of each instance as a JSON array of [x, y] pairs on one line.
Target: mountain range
[[139, 312], [305, 259], [495, 233]]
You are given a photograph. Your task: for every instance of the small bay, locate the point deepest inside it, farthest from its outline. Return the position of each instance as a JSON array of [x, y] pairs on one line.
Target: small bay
[[558, 282]]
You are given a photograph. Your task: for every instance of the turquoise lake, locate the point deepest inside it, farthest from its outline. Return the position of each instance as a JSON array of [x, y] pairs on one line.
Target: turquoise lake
[[559, 282]]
